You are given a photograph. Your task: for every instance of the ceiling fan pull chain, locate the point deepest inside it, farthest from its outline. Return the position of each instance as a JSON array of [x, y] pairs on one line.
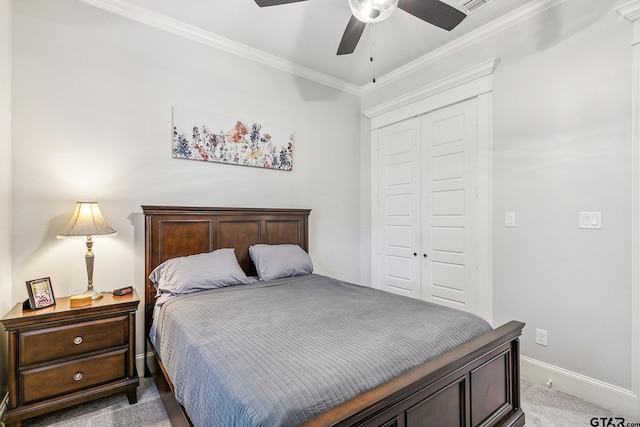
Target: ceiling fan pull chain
[[373, 47]]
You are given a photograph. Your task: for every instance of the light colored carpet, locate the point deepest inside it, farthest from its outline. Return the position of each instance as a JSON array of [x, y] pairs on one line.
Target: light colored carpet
[[543, 407], [111, 411]]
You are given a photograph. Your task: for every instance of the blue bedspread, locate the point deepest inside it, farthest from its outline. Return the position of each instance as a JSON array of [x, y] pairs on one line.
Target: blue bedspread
[[277, 353]]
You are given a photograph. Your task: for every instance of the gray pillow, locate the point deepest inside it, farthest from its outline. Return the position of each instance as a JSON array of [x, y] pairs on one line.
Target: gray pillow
[[192, 273], [276, 261]]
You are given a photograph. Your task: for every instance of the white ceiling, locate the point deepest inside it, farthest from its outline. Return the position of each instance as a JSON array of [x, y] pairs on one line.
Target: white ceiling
[[306, 34]]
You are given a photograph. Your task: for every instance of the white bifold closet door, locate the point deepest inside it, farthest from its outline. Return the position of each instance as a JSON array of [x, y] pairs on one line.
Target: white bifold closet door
[[427, 195], [399, 207]]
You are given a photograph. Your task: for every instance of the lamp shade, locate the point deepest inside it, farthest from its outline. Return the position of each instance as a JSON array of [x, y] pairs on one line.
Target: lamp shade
[[369, 11], [87, 220]]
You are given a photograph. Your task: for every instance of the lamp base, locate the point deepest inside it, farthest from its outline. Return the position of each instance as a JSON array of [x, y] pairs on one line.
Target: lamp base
[[94, 294]]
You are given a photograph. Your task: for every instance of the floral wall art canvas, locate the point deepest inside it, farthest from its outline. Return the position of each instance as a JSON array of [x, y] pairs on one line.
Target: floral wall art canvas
[[199, 135]]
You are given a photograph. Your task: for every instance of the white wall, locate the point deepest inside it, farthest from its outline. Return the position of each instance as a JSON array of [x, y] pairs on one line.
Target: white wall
[[562, 132], [561, 147], [5, 177], [93, 94], [92, 119]]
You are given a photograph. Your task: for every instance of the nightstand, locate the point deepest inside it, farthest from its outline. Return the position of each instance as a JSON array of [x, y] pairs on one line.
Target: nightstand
[[61, 356]]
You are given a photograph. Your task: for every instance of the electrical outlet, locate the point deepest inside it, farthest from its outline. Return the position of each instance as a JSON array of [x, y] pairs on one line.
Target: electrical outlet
[[541, 337]]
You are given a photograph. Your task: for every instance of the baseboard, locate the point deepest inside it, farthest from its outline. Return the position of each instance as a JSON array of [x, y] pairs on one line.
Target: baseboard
[[4, 407], [621, 401]]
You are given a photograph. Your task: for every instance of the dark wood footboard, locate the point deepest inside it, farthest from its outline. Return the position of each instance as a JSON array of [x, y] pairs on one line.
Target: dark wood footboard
[[475, 384]]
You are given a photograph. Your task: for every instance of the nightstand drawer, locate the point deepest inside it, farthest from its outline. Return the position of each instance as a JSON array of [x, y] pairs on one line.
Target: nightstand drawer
[[48, 344], [54, 380]]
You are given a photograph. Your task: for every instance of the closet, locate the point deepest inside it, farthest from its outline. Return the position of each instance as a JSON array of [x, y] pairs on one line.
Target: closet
[[427, 205], [430, 191]]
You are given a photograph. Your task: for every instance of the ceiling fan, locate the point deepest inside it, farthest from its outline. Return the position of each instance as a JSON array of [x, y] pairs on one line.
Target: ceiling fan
[[367, 11]]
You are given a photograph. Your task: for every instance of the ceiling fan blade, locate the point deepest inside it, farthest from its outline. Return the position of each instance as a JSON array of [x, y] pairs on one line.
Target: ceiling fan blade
[[351, 36], [434, 12], [264, 3]]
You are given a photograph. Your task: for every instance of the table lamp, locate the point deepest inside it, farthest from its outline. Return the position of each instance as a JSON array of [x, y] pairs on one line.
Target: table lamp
[[87, 221]]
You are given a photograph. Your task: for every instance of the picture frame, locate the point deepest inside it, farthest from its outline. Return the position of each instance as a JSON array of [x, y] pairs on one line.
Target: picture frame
[[40, 293]]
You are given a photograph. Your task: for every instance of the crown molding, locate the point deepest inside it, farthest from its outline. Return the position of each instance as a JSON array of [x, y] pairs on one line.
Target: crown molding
[[182, 29], [630, 11], [521, 14]]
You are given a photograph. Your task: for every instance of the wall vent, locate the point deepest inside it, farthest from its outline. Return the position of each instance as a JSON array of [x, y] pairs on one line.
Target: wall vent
[[469, 6]]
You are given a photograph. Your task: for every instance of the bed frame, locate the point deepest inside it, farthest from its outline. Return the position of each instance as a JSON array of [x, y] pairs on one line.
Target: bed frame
[[475, 384]]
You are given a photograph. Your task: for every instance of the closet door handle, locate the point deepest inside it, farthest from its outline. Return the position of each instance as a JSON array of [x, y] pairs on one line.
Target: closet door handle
[[424, 255], [415, 254]]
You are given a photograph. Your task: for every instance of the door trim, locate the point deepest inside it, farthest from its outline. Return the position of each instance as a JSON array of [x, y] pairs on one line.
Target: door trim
[[434, 97], [631, 12], [449, 90]]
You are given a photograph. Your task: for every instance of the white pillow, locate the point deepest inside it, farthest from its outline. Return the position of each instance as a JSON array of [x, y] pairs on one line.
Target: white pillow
[[192, 273], [276, 261]]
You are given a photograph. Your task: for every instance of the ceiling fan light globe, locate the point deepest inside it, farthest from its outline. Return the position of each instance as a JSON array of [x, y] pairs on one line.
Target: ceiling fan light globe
[[369, 11]]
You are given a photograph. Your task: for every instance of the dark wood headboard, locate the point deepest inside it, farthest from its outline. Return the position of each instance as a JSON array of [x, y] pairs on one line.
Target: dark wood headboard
[[173, 231]]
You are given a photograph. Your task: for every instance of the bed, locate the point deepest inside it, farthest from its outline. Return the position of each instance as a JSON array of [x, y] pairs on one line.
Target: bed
[[474, 383]]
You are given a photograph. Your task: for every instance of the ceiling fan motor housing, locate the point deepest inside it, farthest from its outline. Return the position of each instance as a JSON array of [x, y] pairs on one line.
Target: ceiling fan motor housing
[[368, 11], [364, 12]]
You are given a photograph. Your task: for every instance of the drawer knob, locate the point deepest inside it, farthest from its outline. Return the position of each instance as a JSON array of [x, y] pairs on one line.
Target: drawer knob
[[77, 376], [77, 340]]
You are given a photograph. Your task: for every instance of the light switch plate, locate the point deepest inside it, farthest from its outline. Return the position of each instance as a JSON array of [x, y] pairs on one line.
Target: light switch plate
[[591, 220], [509, 219]]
